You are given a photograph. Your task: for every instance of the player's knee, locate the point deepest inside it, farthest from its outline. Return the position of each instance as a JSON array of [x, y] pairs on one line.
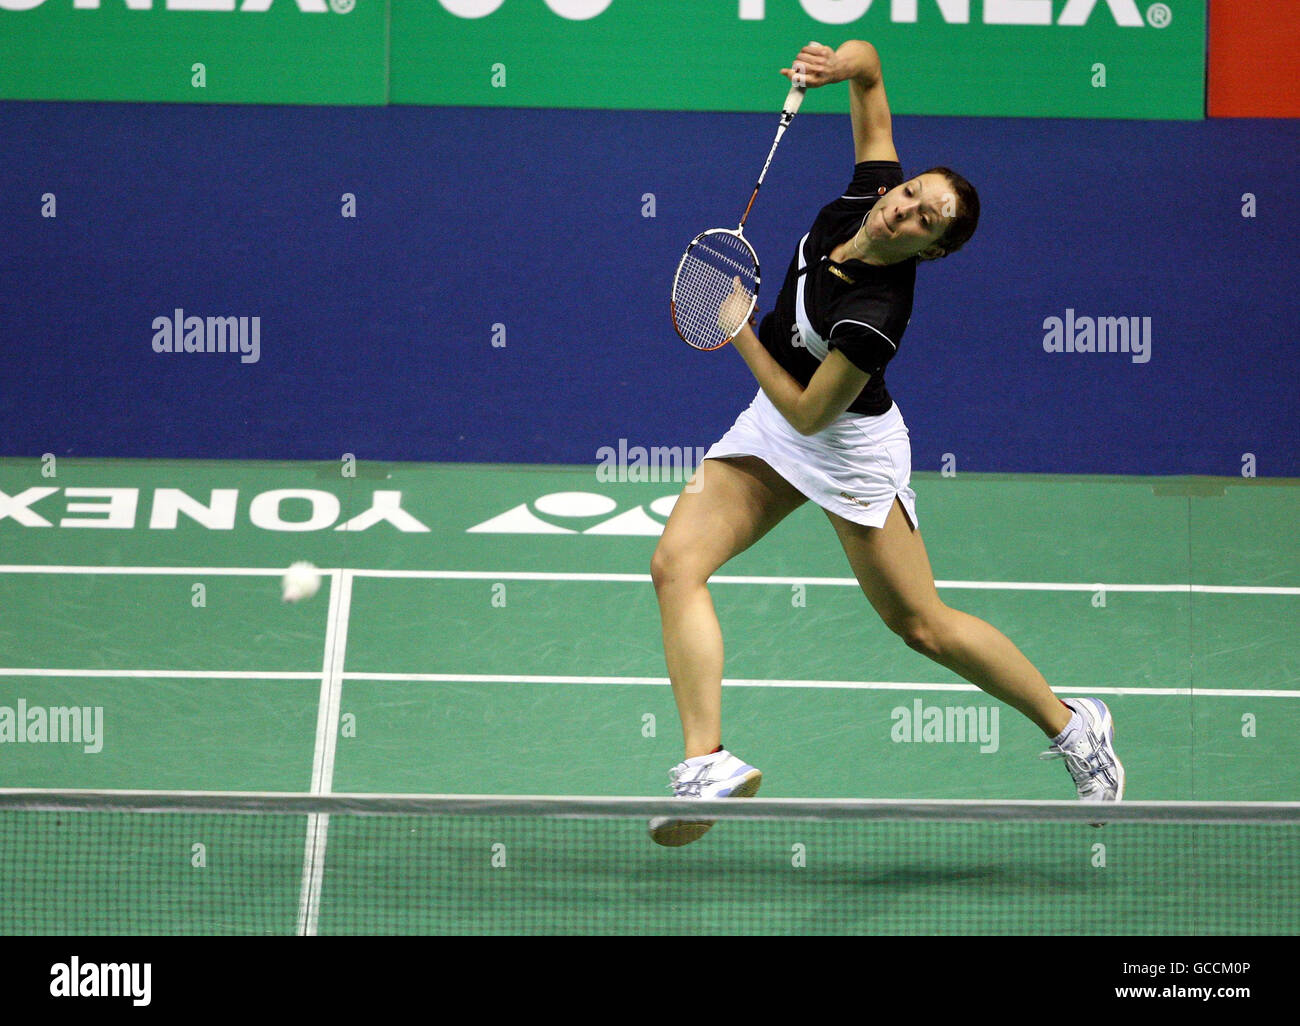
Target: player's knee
[[921, 632], [667, 566], [672, 566]]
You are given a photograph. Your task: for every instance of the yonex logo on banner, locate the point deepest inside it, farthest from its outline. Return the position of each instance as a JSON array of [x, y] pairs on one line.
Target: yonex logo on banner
[[842, 12], [254, 6], [281, 509], [312, 509]]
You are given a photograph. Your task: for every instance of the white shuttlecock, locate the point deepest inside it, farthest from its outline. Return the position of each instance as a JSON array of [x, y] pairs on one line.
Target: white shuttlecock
[[301, 581]]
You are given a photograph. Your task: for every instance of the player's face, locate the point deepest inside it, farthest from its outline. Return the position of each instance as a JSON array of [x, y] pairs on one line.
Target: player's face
[[911, 217]]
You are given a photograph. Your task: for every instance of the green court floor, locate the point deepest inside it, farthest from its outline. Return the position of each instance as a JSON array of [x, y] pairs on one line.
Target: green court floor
[[493, 630]]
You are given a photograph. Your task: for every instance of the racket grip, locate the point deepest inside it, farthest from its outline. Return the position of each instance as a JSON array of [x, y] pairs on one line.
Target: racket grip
[[792, 100]]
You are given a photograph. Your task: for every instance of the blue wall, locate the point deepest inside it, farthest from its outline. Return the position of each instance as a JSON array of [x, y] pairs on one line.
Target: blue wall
[[377, 332]]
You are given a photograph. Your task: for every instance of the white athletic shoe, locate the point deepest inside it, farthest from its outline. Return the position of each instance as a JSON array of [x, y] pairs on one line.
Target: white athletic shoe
[[719, 775], [1089, 753]]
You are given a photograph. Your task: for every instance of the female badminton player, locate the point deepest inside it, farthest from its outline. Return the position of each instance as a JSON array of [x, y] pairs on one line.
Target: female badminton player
[[823, 427]]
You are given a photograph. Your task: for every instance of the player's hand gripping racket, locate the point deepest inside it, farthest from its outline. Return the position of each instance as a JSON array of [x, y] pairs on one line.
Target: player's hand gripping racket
[[708, 307]]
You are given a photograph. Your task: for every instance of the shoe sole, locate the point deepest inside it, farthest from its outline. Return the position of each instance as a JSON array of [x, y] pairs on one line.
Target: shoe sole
[[675, 833]]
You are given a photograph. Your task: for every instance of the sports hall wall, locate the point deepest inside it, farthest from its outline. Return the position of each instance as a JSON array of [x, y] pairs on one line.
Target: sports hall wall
[[449, 227]]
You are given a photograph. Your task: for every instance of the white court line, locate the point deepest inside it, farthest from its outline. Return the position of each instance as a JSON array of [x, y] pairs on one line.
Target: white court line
[[327, 727], [838, 582], [852, 685], [331, 690], [237, 571], [33, 671], [539, 575], [328, 718]]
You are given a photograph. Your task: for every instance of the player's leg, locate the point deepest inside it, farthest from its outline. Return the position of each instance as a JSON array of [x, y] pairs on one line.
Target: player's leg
[[892, 566], [729, 506], [893, 569]]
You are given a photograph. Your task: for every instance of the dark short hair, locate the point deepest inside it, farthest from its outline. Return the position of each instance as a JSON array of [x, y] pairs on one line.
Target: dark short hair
[[962, 226]]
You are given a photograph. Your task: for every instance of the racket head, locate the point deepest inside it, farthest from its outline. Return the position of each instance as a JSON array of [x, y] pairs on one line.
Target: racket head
[[704, 280]]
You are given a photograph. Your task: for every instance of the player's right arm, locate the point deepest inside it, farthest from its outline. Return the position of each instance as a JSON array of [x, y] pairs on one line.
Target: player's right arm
[[858, 63]]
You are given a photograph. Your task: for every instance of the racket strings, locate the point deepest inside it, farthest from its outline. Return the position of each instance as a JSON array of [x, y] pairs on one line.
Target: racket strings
[[732, 256], [704, 281]]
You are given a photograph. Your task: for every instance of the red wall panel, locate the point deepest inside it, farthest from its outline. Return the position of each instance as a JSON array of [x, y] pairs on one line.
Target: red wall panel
[[1254, 66]]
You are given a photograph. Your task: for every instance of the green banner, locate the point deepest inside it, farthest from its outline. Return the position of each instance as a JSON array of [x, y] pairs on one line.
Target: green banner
[[196, 51], [1045, 58]]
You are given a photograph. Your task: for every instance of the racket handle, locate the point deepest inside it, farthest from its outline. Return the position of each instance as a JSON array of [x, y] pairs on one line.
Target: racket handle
[[792, 100]]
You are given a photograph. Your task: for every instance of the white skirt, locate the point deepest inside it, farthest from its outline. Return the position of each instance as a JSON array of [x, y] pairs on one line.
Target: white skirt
[[855, 467]]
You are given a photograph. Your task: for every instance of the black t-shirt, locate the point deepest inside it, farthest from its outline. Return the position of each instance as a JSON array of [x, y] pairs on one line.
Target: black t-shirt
[[855, 307]]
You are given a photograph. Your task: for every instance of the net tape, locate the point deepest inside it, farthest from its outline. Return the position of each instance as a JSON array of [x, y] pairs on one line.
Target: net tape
[[580, 806]]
